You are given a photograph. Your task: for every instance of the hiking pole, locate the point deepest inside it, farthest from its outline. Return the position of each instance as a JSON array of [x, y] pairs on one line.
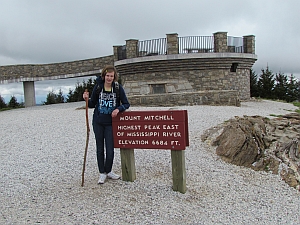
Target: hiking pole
[[87, 136]]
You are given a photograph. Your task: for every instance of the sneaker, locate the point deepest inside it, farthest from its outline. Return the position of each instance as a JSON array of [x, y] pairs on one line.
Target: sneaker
[[112, 175], [102, 178]]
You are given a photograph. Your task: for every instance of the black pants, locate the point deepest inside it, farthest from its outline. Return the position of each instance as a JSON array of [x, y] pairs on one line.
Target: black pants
[[104, 134]]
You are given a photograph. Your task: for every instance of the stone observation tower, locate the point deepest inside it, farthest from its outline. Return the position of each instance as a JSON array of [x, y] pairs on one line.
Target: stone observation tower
[[188, 70], [161, 72]]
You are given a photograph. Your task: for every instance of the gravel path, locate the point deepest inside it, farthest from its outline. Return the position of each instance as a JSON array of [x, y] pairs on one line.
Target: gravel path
[[42, 150]]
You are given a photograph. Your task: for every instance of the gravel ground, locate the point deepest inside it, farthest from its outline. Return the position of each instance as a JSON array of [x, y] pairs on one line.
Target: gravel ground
[[41, 161]]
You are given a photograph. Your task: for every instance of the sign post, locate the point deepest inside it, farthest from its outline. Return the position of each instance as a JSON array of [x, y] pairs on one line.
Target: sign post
[[178, 171], [128, 164], [152, 130]]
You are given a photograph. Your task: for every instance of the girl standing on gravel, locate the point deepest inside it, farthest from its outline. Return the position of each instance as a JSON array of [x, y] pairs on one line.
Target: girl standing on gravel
[[106, 97]]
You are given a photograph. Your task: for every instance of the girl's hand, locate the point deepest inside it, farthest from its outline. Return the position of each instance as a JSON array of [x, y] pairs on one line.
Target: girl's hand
[[85, 95], [115, 113]]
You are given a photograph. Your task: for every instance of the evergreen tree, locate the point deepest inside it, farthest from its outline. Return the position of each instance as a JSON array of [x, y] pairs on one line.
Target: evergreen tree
[[281, 86], [76, 95], [2, 103], [298, 90], [59, 98], [292, 89], [70, 96], [13, 102], [254, 92], [90, 84], [266, 84], [50, 99]]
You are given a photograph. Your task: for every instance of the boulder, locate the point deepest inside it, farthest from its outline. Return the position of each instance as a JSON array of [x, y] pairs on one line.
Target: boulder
[[260, 143]]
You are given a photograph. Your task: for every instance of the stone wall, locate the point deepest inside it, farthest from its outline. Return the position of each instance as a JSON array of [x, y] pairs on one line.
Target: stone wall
[[187, 98], [38, 71], [188, 75]]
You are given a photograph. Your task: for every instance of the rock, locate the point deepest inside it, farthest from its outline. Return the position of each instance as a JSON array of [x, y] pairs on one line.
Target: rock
[[261, 144], [240, 142]]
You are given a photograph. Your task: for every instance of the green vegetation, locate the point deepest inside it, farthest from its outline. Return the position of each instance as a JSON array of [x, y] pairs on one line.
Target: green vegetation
[[277, 87], [274, 86], [298, 105], [73, 95], [12, 104], [76, 95], [53, 98], [275, 115]]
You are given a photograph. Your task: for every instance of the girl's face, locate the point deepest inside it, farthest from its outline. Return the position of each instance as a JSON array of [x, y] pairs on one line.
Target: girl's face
[[109, 77]]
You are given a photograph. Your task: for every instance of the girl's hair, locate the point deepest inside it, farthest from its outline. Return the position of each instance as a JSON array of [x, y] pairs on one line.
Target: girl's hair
[[108, 69]]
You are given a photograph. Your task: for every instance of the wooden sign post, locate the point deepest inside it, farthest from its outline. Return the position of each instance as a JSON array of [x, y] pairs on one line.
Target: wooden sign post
[[152, 130]]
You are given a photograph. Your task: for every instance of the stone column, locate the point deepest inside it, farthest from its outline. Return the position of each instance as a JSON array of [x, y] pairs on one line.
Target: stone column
[[116, 55], [172, 44], [131, 48], [29, 93], [249, 44], [220, 42]]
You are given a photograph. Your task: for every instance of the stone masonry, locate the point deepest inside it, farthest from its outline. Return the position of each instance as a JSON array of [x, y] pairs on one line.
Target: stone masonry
[[172, 44], [249, 43], [220, 42], [28, 72], [188, 75], [221, 72]]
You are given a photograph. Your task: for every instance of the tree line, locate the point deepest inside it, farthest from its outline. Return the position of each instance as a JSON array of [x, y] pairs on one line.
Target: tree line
[[53, 98], [12, 104], [265, 85], [272, 86], [73, 95]]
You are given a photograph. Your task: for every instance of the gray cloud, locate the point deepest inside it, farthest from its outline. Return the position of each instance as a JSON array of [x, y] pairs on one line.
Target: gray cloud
[[34, 31]]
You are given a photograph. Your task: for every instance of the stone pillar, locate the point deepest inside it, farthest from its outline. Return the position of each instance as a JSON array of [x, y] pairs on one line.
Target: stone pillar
[[172, 44], [132, 49], [29, 93], [116, 55], [220, 42], [249, 44]]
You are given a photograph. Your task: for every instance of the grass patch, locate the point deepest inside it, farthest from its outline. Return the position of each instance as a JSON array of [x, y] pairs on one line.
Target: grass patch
[[275, 115], [5, 109], [298, 105]]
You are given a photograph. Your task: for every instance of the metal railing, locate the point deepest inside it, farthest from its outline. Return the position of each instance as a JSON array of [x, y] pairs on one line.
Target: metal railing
[[152, 47], [190, 44], [196, 44]]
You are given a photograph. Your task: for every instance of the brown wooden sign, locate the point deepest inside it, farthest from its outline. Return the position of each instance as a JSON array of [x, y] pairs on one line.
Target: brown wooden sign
[[151, 130]]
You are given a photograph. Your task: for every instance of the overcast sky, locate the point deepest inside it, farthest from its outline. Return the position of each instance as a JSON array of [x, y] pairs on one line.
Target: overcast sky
[[48, 31]]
